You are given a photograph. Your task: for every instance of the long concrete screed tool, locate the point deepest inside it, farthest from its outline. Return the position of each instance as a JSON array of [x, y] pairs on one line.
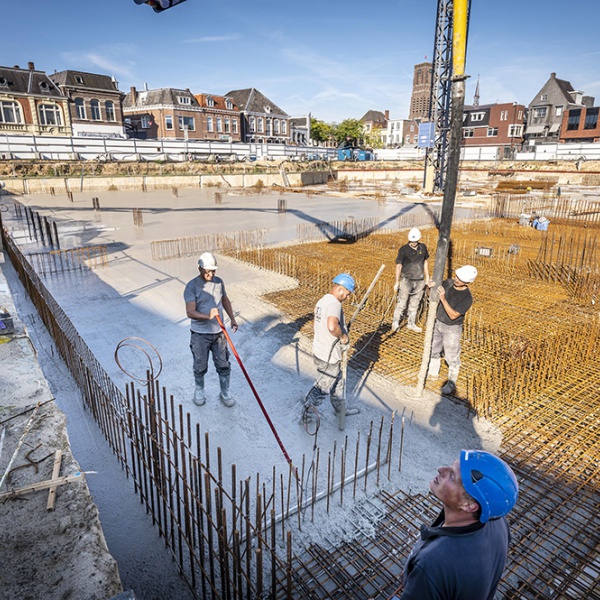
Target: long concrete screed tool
[[262, 406]]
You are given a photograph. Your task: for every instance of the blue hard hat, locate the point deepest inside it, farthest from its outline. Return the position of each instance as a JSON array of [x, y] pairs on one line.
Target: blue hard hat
[[346, 280], [490, 481]]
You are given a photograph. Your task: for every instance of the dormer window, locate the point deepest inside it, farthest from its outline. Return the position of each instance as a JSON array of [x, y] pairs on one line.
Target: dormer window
[[79, 79], [210, 102], [477, 116], [544, 97], [44, 87], [267, 109], [184, 100], [229, 104], [3, 82]]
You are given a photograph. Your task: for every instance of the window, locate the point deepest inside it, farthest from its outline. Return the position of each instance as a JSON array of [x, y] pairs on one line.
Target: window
[[540, 112], [591, 118], [80, 108], [276, 126], [544, 97], [269, 124], [50, 114], [252, 124], [209, 124], [468, 133], [95, 106], [234, 124], [3, 82], [145, 122], [407, 140], [412, 127], [283, 127], [504, 115], [267, 109], [44, 87], [210, 102], [110, 110], [492, 131], [261, 125], [559, 111], [477, 116], [168, 121], [515, 131], [78, 78], [227, 125], [186, 123], [573, 119], [219, 125], [10, 112], [228, 104], [184, 100]]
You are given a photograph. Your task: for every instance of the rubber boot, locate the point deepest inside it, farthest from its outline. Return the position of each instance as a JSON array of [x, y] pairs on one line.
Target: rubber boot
[[450, 385], [199, 397], [337, 403], [412, 325], [226, 398], [434, 368]]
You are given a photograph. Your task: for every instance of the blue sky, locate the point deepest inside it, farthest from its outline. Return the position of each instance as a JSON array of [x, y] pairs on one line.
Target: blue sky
[[333, 58]]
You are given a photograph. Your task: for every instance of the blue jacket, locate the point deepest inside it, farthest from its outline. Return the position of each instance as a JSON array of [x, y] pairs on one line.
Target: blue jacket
[[457, 563]]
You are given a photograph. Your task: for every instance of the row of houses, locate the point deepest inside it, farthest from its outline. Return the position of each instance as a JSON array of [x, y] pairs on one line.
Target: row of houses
[[79, 104], [558, 113]]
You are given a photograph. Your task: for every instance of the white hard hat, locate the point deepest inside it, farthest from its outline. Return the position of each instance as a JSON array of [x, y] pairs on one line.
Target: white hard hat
[[414, 235], [467, 273], [207, 261]]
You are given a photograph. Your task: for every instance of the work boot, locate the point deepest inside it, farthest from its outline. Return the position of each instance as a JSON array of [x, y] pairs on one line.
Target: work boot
[[226, 398], [199, 397], [414, 327], [337, 403], [450, 385], [352, 411], [434, 368]]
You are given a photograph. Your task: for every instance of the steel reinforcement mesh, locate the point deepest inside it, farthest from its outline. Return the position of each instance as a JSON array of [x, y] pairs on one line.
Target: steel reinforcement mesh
[[530, 362]]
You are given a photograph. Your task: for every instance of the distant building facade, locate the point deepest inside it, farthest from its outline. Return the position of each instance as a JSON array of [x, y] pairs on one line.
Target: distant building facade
[[547, 109], [494, 125], [580, 125], [263, 122], [420, 100], [31, 103], [95, 103], [220, 118], [300, 130], [376, 122]]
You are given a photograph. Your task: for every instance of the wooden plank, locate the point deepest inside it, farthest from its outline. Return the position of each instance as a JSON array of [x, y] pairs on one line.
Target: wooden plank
[[42, 485], [55, 474]]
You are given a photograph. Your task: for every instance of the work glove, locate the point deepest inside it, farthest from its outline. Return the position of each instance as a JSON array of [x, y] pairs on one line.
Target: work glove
[[345, 347]]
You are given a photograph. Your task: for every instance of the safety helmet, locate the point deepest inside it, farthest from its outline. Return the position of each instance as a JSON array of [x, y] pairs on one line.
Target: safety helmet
[[207, 262], [490, 481], [467, 274], [345, 280], [414, 235]]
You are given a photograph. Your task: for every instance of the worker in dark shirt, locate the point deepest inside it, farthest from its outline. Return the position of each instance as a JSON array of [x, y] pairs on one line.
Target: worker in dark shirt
[[462, 555], [455, 301]]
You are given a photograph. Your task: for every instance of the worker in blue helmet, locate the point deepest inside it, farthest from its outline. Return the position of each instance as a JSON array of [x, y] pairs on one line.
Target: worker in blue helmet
[[330, 338], [461, 556]]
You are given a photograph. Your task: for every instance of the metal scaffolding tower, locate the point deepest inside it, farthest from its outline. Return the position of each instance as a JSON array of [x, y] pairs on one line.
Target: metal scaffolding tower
[[436, 158]]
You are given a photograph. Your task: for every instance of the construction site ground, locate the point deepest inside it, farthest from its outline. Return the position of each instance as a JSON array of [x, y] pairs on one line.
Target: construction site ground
[[135, 295]]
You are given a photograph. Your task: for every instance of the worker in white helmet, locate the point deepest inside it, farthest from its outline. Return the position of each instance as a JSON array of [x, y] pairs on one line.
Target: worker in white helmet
[[412, 277], [455, 301], [205, 298]]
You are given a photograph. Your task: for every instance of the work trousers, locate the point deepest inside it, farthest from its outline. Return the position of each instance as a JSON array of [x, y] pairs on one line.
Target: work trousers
[[410, 293], [203, 344], [446, 340], [329, 382]]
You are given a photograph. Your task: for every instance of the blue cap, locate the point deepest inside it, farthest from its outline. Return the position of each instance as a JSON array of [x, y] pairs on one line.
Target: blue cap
[[345, 280], [490, 481]]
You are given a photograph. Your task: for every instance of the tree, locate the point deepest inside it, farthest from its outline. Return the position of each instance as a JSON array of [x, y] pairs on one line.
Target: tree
[[373, 139], [349, 133], [320, 131]]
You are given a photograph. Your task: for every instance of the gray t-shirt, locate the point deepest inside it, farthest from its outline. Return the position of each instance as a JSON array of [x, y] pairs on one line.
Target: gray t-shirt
[[207, 295], [327, 306]]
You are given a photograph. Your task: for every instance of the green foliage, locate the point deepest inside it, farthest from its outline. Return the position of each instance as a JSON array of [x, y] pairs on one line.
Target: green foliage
[[320, 131], [349, 132]]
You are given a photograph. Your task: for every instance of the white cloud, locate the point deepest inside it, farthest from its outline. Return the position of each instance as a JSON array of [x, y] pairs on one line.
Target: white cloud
[[213, 38]]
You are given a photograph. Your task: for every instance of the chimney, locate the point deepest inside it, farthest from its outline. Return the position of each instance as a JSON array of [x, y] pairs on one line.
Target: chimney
[[387, 115], [133, 96], [552, 75], [31, 66]]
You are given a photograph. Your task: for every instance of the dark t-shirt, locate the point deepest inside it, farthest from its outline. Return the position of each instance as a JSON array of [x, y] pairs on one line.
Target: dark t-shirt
[[412, 261], [459, 300]]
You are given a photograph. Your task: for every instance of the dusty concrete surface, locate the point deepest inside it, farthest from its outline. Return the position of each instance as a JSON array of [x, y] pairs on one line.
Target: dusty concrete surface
[[48, 554]]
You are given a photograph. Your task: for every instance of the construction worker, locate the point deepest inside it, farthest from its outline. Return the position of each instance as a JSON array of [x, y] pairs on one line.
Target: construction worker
[[455, 301], [330, 339], [412, 276], [462, 555], [205, 298]]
